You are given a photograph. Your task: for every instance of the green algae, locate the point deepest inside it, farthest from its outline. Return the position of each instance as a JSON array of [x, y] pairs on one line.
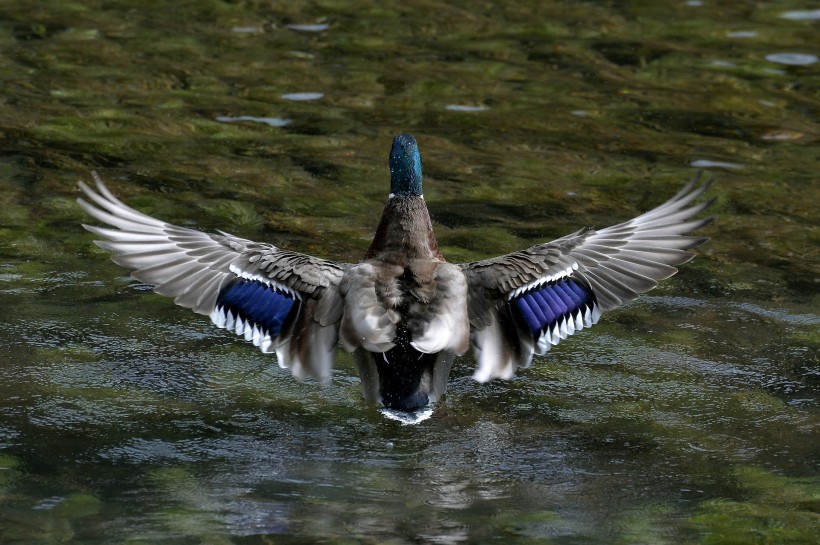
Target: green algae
[[775, 509], [9, 473], [191, 512]]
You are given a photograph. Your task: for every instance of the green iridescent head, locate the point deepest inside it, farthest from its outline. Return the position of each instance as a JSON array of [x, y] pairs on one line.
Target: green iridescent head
[[405, 166]]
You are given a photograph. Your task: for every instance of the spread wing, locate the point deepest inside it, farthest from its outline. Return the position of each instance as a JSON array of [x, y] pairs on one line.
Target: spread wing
[[524, 302], [282, 301]]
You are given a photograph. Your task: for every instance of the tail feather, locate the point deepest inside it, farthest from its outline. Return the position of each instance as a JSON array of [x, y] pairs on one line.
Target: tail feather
[[404, 377]]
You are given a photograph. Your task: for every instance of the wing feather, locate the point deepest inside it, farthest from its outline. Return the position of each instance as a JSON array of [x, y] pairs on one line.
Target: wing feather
[[198, 270], [522, 302]]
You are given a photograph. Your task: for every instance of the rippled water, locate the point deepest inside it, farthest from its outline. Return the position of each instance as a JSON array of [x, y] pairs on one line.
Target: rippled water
[[689, 416]]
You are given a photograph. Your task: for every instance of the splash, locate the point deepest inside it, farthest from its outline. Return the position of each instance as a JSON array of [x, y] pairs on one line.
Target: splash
[[408, 418]]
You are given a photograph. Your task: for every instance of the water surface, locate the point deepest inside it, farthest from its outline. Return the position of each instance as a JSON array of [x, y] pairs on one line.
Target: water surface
[[690, 416]]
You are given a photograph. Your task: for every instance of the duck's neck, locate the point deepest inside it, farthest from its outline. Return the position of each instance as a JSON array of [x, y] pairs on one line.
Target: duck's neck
[[404, 232]]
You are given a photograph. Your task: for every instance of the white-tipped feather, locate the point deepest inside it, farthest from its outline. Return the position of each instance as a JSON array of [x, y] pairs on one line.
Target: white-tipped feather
[[265, 280], [570, 324], [494, 357], [596, 314], [544, 343], [218, 317], [282, 357], [555, 334], [542, 281], [230, 320]]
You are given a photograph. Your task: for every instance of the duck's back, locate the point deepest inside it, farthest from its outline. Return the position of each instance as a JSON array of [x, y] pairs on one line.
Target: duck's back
[[405, 312]]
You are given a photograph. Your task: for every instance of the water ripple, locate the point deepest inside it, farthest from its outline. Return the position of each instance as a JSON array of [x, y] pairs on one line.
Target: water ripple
[[465, 108], [302, 97], [272, 121], [743, 34], [802, 15], [792, 59], [706, 163], [408, 418], [781, 315], [309, 28]]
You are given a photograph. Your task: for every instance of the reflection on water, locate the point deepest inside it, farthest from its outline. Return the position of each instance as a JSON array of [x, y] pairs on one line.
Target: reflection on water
[[465, 108], [689, 416], [794, 59], [309, 28], [299, 97], [802, 15], [706, 163]]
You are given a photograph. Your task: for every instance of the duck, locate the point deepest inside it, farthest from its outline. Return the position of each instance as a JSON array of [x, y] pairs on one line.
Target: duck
[[404, 312]]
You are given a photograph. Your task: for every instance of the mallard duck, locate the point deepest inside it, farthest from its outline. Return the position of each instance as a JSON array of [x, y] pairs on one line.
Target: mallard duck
[[403, 311]]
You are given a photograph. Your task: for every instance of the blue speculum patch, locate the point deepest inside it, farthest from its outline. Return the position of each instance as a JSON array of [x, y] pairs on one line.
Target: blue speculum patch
[[258, 303], [542, 308]]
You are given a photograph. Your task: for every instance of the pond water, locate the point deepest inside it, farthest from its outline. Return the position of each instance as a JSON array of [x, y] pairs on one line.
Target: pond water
[[689, 416]]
